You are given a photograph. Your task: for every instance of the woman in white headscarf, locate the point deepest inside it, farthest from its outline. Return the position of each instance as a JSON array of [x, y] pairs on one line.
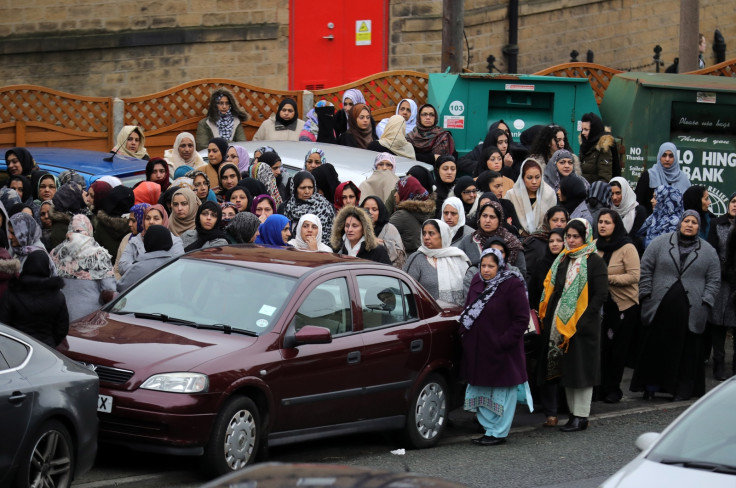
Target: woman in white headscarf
[[308, 235], [407, 108], [453, 214], [393, 139], [131, 142], [439, 267], [623, 202], [184, 153], [531, 197]]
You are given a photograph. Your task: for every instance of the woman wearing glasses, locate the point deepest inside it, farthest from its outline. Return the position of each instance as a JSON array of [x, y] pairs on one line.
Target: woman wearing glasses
[[224, 119], [429, 141]]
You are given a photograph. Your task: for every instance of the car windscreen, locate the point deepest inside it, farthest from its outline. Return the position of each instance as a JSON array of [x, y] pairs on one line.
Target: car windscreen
[[209, 294], [705, 436]]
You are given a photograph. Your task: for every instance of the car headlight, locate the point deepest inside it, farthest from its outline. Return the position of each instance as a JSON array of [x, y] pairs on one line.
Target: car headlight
[[177, 382]]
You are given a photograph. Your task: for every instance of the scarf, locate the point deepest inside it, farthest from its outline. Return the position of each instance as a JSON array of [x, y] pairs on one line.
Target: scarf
[[341, 188], [551, 173], [316, 204], [618, 238], [243, 158], [118, 202], [139, 212], [452, 263], [687, 244], [393, 138], [423, 137], [147, 192], [175, 158], [225, 125], [292, 121], [161, 210], [101, 190], [28, 233], [410, 124], [261, 171], [177, 225], [300, 244], [24, 157], [473, 310], [665, 217], [481, 237], [258, 198], [327, 180], [315, 150], [627, 208], [380, 183], [572, 187], [204, 235], [80, 256], [269, 232], [530, 217], [123, 138], [362, 137], [164, 182], [597, 129], [352, 250], [383, 215], [409, 188], [457, 204], [355, 95], [672, 176], [599, 194], [574, 297]]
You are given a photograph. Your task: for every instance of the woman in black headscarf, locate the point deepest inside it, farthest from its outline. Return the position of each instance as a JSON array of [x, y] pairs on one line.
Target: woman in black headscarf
[[207, 230], [572, 195], [445, 175], [284, 125], [696, 198], [598, 153], [386, 233], [327, 181], [19, 161], [111, 226], [305, 199]]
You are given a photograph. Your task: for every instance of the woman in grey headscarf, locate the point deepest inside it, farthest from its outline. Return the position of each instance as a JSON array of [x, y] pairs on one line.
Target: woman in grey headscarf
[[243, 227], [25, 237]]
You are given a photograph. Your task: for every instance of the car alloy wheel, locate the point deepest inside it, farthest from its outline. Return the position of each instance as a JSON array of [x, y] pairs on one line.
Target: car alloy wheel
[[50, 460], [235, 437], [428, 415]]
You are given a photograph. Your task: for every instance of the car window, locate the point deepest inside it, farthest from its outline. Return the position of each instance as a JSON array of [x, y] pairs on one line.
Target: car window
[[328, 305], [384, 301], [12, 352], [211, 293]]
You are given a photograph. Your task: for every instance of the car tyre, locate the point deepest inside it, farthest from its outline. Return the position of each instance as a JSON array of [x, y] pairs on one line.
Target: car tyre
[[235, 437], [49, 459], [428, 412]]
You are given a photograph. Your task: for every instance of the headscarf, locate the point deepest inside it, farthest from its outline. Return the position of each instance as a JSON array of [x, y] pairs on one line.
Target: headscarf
[[182, 171], [363, 137], [299, 243], [178, 226], [225, 166], [157, 238], [9, 197], [317, 205], [315, 150], [80, 256], [102, 190], [422, 137], [27, 196], [686, 244], [627, 208], [147, 192], [123, 138], [69, 198], [164, 216], [601, 192], [551, 173], [222, 147], [139, 212], [666, 214], [38, 177], [164, 182], [393, 138], [70, 175], [409, 188], [243, 227], [384, 156], [410, 124], [383, 215], [263, 150], [512, 242], [573, 188], [258, 200], [113, 181], [692, 199], [263, 172], [616, 240], [423, 175], [284, 102], [28, 233], [574, 297], [443, 188], [473, 310], [341, 188], [25, 158], [243, 158], [253, 186], [119, 201], [530, 218], [457, 204], [672, 176], [597, 129], [223, 206], [462, 184], [451, 265], [269, 232], [204, 235], [353, 94], [177, 161], [326, 179]]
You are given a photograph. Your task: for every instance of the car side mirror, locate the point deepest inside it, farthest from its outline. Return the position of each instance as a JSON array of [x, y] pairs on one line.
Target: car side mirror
[[645, 441], [312, 334]]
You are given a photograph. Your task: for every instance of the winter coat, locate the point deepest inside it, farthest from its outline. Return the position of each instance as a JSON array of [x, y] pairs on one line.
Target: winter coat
[[9, 269], [581, 364], [135, 249], [369, 248], [270, 130], [83, 296], [723, 311], [623, 276], [110, 231], [192, 235], [207, 130], [493, 348], [408, 219], [660, 269], [147, 263], [597, 163], [36, 306]]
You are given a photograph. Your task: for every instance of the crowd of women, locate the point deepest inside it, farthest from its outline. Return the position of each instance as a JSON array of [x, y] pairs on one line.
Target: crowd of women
[[510, 231]]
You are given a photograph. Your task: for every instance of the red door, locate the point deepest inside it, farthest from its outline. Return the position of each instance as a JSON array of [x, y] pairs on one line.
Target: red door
[[332, 42]]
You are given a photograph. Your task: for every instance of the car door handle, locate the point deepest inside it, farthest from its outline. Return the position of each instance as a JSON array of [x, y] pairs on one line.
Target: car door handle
[[416, 345], [17, 397], [354, 357]]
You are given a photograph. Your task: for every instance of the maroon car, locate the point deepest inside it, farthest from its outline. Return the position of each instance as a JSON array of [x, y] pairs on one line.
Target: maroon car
[[227, 350]]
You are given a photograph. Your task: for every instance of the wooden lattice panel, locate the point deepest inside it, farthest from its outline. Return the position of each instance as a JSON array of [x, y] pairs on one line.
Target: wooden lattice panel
[[598, 75], [383, 91], [158, 111], [726, 68], [38, 104]]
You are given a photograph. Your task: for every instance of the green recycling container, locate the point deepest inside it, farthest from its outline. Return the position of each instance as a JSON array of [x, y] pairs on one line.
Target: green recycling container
[[697, 113], [469, 103]]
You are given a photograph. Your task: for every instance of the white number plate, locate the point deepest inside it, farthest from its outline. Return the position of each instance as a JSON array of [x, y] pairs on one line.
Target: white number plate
[[104, 403]]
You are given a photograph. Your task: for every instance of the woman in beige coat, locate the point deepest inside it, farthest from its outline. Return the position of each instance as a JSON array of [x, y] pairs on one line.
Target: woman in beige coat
[[284, 125]]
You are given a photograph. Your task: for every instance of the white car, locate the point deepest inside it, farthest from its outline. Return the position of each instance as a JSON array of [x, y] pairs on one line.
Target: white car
[[697, 449], [351, 163]]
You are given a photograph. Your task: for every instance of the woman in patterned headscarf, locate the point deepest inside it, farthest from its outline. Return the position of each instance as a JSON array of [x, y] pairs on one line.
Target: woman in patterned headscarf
[[667, 203], [305, 200]]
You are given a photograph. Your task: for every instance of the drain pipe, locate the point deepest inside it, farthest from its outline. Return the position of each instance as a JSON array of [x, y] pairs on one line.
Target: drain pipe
[[511, 50]]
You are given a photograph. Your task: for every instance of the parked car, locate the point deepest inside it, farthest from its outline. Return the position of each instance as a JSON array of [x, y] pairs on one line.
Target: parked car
[[227, 350], [697, 449], [351, 163], [90, 164], [47, 414]]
